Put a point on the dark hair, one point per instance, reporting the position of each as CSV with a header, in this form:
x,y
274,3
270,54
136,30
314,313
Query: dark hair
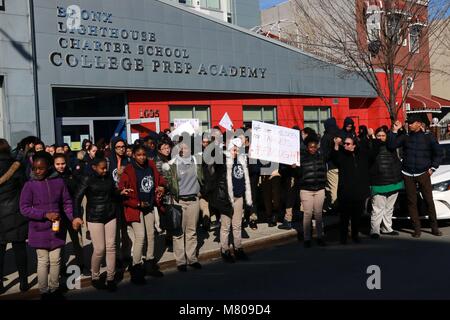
x,y
59,155
362,130
296,127
83,144
5,148
91,146
45,156
138,147
26,141
380,129
161,143
313,138
385,128
99,157
309,131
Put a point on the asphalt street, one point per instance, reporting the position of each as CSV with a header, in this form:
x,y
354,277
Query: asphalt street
x,y
409,269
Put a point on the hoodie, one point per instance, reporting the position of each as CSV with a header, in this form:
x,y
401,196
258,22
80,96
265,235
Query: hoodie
x,y
39,197
346,134
115,168
327,141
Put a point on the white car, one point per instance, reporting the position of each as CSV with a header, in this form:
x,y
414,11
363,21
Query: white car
x,y
440,180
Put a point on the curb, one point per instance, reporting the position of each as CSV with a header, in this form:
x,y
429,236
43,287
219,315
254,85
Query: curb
x,y
213,254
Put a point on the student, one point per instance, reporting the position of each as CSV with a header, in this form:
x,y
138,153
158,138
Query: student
x,y
102,196
61,167
13,226
143,178
185,178
41,201
232,182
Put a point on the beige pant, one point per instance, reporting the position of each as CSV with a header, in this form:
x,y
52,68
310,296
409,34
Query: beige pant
x,y
146,227
236,222
103,240
312,202
332,188
185,245
204,207
46,259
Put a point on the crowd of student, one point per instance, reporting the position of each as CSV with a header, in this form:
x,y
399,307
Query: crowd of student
x,y
49,191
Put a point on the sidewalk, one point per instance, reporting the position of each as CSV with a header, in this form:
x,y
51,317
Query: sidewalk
x,y
208,249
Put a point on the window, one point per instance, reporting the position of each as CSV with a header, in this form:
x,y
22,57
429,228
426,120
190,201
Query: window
x,y
395,24
265,114
192,112
373,19
210,4
414,38
410,83
187,2
2,5
314,117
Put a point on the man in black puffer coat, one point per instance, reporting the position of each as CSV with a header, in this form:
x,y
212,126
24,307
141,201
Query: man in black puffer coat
x,y
421,157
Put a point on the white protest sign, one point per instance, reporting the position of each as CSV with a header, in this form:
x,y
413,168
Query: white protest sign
x,y
226,122
275,143
195,123
185,127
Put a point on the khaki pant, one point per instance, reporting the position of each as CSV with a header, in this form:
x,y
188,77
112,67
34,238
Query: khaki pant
x,y
103,240
48,261
236,223
312,202
145,227
383,209
204,207
185,245
331,188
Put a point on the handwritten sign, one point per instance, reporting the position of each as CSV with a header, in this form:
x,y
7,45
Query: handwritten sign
x,y
185,127
226,122
275,143
195,123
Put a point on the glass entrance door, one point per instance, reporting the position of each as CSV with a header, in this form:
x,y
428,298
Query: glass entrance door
x,y
73,132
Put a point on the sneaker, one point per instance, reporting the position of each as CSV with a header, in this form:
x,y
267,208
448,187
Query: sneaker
x,y
137,273
206,224
240,254
98,284
375,236
307,244
252,224
227,257
287,225
182,268
356,240
111,285
436,232
196,265
321,242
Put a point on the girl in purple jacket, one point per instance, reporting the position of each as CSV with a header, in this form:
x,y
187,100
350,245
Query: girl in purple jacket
x,y
44,199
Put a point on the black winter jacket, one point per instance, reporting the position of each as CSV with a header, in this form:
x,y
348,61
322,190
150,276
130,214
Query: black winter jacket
x,y
102,198
353,168
421,151
13,225
312,172
386,169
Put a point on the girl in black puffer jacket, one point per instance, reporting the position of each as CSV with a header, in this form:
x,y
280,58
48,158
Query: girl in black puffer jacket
x,y
385,182
102,197
313,178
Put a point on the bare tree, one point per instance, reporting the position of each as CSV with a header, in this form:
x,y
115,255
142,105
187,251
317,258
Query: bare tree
x,y
373,37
